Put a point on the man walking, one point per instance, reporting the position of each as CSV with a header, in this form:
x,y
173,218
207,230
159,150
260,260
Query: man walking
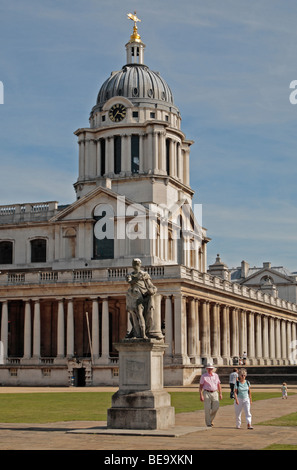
x,y
210,393
232,381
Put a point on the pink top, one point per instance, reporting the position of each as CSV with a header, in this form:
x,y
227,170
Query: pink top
x,y
210,382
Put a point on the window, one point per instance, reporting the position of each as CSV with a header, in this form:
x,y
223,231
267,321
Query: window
x,y
135,114
46,372
135,154
38,250
115,372
103,233
6,249
117,154
102,163
153,115
103,118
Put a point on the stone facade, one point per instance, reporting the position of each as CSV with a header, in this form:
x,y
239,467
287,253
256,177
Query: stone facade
x,y
63,268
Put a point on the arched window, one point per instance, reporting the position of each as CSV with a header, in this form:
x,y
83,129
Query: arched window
x,y
38,250
103,232
6,251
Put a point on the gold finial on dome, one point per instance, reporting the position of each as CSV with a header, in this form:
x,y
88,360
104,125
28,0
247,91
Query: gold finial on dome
x,y
135,36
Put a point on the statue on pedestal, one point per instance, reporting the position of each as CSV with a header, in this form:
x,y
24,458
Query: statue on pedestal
x,y
140,302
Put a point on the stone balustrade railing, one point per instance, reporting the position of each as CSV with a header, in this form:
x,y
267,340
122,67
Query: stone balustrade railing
x,y
25,212
119,273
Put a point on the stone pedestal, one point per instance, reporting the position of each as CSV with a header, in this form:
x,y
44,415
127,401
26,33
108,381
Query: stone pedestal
x,y
141,402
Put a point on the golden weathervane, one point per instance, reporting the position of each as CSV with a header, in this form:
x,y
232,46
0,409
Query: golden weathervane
x,y
135,36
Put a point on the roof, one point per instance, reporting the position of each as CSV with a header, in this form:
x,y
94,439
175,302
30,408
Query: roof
x,y
136,82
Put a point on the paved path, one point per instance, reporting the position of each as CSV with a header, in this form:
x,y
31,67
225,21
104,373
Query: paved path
x,y
223,436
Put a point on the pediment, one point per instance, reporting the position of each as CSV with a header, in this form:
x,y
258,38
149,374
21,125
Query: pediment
x,y
83,208
257,277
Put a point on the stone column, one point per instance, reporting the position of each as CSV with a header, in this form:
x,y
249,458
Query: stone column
x,y
278,349
27,331
205,330
109,152
162,153
70,329
294,343
148,161
192,338
126,153
186,169
283,341
289,340
92,158
197,328
251,338
98,158
168,326
265,340
36,330
87,157
155,151
141,154
259,338
4,330
215,333
234,333
172,157
105,330
180,333
60,336
81,144
225,326
242,332
95,328
272,339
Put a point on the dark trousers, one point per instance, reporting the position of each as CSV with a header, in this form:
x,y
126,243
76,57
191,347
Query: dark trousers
x,y
231,390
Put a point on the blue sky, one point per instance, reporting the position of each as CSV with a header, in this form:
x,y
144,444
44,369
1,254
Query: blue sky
x,y
229,64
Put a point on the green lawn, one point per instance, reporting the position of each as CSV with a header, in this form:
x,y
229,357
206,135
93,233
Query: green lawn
x,y
85,406
286,420
281,447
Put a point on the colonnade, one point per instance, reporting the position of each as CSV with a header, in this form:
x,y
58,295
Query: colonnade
x,y
196,330
199,330
65,340
152,155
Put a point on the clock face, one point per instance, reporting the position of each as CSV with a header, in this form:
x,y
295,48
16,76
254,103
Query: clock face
x,y
117,112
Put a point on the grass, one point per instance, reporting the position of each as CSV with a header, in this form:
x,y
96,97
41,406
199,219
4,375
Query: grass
x,y
53,407
286,420
185,402
281,447
86,406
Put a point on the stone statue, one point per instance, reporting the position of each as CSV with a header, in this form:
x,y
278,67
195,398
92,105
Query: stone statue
x,y
140,301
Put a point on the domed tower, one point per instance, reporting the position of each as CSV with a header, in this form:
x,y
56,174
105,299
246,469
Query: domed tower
x,y
134,145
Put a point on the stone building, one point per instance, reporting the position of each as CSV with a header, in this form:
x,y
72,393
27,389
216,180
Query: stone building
x,y
63,268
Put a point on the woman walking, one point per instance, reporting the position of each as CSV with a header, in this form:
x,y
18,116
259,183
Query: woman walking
x,y
243,399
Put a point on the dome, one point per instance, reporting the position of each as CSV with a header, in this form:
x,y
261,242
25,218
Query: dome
x,y
137,83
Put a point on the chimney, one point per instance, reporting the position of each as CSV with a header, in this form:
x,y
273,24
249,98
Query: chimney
x,y
244,269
